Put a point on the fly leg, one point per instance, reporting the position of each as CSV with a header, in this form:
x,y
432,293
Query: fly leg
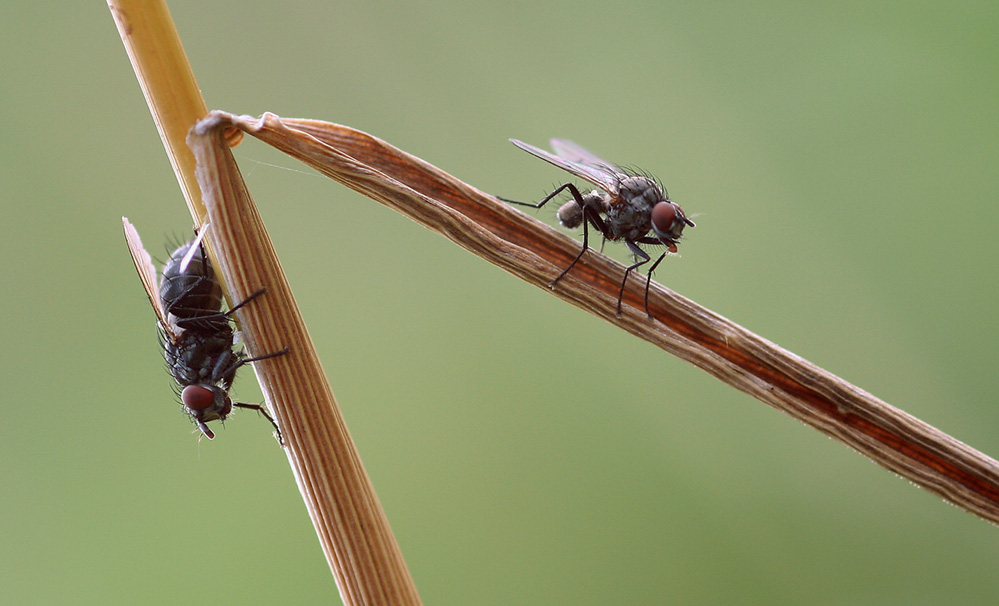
x,y
229,373
225,371
643,258
589,216
649,281
245,301
230,370
260,409
578,197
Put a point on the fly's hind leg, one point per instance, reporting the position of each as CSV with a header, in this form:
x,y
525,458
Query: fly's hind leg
x,y
589,216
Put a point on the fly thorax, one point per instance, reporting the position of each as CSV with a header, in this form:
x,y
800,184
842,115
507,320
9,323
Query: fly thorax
x,y
628,216
642,192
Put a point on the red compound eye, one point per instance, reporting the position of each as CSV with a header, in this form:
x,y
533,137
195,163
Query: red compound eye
x,y
663,217
197,397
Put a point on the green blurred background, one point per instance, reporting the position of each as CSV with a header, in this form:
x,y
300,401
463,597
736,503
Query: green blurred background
x,y
842,161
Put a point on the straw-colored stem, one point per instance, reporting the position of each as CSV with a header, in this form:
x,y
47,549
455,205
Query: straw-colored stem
x,y
537,252
351,525
167,82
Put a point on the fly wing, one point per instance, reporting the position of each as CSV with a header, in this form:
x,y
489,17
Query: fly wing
x,y
147,273
600,173
574,152
193,248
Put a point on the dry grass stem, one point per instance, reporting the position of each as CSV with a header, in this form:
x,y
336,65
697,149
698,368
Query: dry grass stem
x,y
536,252
168,83
352,527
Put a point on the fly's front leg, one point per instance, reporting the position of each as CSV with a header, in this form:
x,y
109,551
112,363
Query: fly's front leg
x,y
231,374
648,282
260,409
644,258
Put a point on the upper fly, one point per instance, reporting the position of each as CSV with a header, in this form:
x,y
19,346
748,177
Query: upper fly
x,y
627,206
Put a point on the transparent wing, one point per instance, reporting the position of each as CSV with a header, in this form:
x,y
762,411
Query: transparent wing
x,y
193,248
574,152
147,274
600,173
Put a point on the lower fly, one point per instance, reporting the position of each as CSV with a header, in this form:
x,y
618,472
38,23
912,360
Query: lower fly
x,y
196,334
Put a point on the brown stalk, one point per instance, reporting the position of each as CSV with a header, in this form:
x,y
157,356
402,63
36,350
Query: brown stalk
x,y
352,528
536,253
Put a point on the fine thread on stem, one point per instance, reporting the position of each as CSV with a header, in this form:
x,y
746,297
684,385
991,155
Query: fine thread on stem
x,y
535,252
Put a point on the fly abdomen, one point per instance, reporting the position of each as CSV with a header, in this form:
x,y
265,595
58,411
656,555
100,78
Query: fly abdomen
x,y
188,287
570,214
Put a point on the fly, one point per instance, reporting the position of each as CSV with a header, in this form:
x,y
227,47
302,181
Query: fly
x,y
196,335
627,206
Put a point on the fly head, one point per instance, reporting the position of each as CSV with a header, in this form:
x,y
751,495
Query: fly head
x,y
668,222
204,402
